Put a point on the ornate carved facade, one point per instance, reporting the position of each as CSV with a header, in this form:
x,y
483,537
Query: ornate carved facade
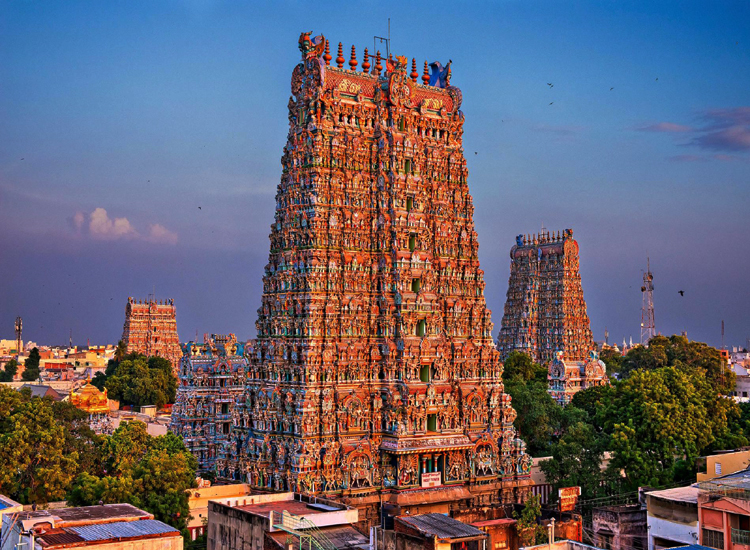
x,y
212,380
151,329
374,369
545,311
566,378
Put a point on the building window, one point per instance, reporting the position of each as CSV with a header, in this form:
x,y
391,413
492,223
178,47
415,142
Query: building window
x,y
424,373
713,539
717,468
409,203
605,541
431,422
416,284
412,242
421,324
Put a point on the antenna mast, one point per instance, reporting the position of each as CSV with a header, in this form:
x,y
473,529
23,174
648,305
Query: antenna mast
x,y
19,331
648,326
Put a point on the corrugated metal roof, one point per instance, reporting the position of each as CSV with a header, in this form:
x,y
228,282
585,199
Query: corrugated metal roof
x,y
123,529
441,526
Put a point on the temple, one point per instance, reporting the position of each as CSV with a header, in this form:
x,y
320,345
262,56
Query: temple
x,y
545,312
151,329
210,395
95,402
374,376
566,378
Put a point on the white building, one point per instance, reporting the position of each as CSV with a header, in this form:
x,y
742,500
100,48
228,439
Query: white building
x,y
672,517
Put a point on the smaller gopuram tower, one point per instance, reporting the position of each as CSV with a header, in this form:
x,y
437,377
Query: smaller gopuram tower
x,y
545,312
151,329
212,380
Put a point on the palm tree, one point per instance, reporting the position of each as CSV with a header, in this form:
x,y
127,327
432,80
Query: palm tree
x,y
121,351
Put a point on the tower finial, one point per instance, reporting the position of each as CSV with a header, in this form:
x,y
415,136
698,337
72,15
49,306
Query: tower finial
x,y
327,55
448,76
414,74
378,64
426,74
366,63
340,58
353,60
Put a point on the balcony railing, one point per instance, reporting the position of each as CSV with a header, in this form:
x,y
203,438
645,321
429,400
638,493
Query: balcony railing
x,y
740,536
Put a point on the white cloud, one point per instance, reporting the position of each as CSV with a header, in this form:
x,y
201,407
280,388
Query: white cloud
x,y
102,227
157,233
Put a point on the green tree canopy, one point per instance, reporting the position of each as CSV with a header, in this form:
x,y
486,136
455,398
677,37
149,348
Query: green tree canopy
x,y
138,381
519,365
9,371
31,366
678,351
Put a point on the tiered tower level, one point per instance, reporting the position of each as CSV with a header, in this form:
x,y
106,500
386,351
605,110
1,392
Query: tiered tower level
x,y
544,310
210,397
151,329
374,366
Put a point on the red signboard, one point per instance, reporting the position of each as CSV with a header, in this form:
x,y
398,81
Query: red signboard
x,y
569,498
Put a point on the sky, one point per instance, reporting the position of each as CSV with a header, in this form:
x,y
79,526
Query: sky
x,y
140,147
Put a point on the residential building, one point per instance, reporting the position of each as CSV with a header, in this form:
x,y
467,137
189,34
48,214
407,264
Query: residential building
x,y
262,520
672,517
620,527
724,463
440,532
724,512
200,497
104,527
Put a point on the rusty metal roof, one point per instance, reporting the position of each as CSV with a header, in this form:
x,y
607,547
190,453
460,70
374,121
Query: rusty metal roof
x,y
123,529
441,526
118,530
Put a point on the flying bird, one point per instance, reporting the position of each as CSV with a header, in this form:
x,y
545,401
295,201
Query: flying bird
x,y
551,102
657,78
475,152
681,292
199,208
612,88
550,84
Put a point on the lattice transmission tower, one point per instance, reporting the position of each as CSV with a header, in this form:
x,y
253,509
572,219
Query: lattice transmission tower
x,y
648,327
19,333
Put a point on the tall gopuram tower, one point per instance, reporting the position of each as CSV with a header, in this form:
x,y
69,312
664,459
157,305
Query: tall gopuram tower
x,y
151,329
374,375
210,397
544,310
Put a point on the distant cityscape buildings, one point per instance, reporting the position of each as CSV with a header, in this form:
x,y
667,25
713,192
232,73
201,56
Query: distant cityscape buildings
x,y
545,312
151,329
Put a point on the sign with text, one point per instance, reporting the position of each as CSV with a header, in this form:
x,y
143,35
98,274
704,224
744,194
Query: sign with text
x,y
432,479
569,498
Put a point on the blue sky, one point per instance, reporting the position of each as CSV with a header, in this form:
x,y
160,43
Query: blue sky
x,y
119,119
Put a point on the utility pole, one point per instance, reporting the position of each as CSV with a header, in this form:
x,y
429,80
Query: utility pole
x,y
648,326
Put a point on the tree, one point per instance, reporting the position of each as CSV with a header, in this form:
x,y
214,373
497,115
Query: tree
x,y
538,415
9,371
99,380
576,461
520,365
613,359
125,447
120,351
678,351
529,530
140,381
34,466
31,366
153,473
660,419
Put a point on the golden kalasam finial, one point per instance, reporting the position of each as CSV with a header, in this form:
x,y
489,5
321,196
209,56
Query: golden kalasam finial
x,y
327,55
353,60
366,62
426,74
414,74
378,64
340,58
